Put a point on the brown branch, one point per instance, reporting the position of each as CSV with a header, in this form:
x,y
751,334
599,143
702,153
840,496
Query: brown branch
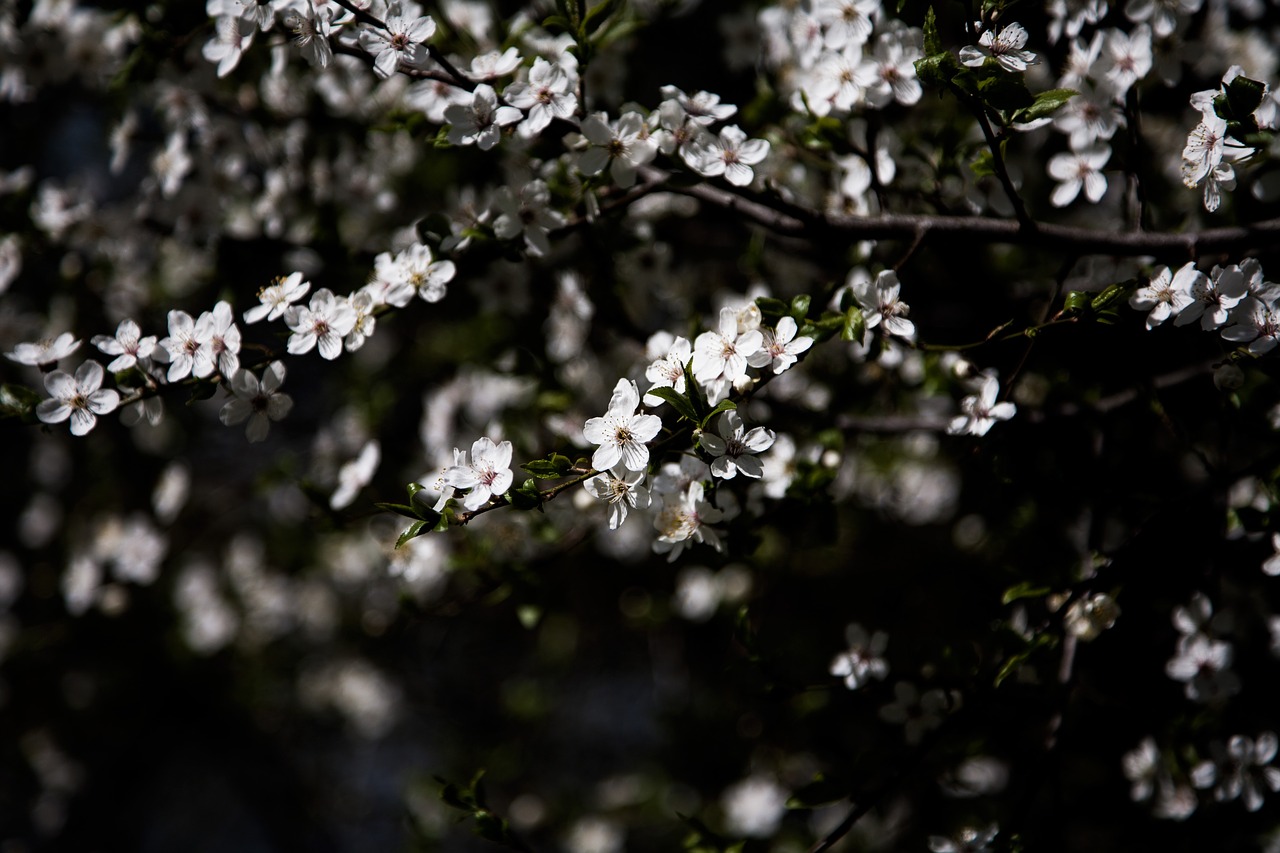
x,y
789,219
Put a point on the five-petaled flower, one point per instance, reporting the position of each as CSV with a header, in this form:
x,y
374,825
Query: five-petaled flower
x,y
324,323
735,447
622,433
258,401
80,398
1005,47
880,303
620,489
487,475
981,411
403,41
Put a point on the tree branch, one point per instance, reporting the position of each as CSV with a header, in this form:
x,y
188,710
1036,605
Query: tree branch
x,y
789,219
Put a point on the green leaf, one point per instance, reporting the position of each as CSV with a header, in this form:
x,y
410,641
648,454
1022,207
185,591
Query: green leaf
x,y
1046,104
800,307
1005,91
1243,97
1109,297
965,80
413,532
984,164
526,497
678,401
599,14
722,406
543,469
401,509
936,71
1026,589
932,43
772,309
1012,664
855,325
18,401
1075,303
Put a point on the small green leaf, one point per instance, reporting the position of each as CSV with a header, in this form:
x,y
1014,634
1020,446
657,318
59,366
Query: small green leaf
x,y
772,309
1109,297
984,164
1243,97
936,70
855,325
557,24
932,43
1075,303
526,497
965,80
1046,104
1026,589
1005,91
678,401
18,401
1012,664
413,532
543,469
800,307
401,509
722,406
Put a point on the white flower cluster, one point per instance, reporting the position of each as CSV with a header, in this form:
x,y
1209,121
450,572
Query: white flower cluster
x,y
1234,298
209,346
1210,151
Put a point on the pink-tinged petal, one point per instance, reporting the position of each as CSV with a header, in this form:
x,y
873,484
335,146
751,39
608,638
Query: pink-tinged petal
x,y
750,466
421,29
724,468
753,151
330,346
103,402
713,444
59,384
300,343
235,411
606,456
279,406
597,431
89,377
759,439
82,420
635,456
502,482
387,61
258,427
593,161
1065,193
625,398
1095,186
645,428
272,377
53,411
738,174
